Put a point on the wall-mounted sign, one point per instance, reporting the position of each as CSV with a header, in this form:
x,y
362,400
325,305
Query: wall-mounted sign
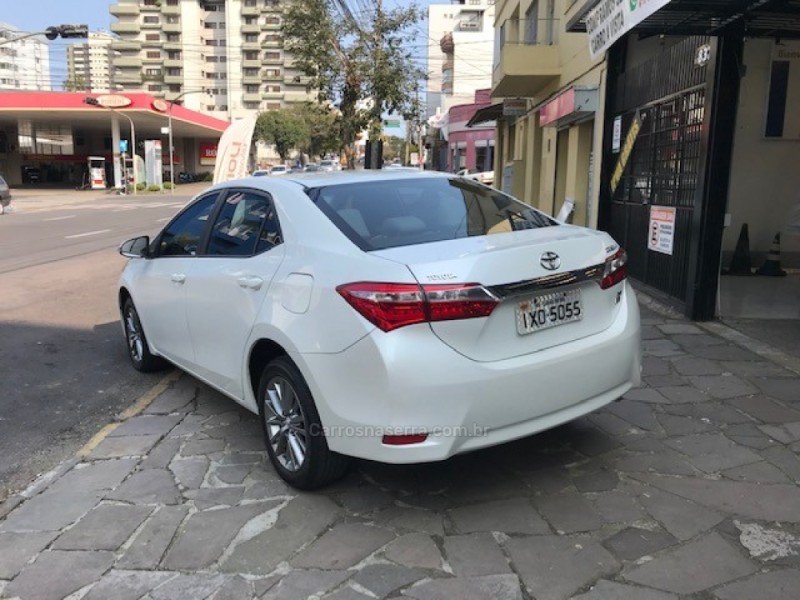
x,y
123,146
616,137
661,236
611,19
515,107
630,141
160,105
703,55
208,154
114,101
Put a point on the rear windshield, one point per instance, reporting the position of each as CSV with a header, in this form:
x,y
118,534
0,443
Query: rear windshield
x,y
387,214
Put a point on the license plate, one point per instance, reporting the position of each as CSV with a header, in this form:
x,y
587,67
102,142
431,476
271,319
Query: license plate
x,y
549,310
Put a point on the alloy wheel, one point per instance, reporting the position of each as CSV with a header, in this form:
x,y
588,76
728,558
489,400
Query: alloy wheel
x,y
135,342
285,424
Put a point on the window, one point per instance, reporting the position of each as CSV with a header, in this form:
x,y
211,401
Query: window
x,y
251,55
151,20
272,55
172,20
153,54
776,99
251,89
250,72
390,214
182,237
152,37
247,224
251,37
532,23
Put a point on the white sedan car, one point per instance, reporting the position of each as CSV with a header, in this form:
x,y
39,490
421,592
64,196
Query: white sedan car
x,y
395,316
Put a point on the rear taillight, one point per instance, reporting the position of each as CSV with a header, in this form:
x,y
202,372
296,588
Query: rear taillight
x,y
615,270
393,305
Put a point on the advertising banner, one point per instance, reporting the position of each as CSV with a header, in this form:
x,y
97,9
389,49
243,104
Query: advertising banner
x,y
611,19
153,166
208,154
233,151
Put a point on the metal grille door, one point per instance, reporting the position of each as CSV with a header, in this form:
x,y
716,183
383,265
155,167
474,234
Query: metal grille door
x,y
664,169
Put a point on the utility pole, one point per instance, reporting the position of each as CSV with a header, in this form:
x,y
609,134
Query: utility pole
x,y
420,151
376,124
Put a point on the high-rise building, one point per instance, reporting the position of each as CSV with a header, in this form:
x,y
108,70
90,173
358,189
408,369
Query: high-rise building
x,y
24,64
460,51
227,53
89,65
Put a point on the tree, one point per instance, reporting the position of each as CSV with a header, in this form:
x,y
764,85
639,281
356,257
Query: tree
x,y
349,59
75,83
283,128
323,128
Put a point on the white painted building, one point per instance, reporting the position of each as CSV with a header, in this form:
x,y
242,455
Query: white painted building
x,y
89,64
460,52
24,65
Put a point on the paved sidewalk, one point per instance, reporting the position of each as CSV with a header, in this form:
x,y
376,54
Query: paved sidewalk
x,y
687,488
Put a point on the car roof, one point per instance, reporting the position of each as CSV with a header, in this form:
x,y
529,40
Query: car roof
x,y
319,179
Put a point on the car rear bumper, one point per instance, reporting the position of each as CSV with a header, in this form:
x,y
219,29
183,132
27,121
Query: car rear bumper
x,y
408,382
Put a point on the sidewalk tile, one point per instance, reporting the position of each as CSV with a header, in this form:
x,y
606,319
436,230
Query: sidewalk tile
x,y
780,388
489,587
343,546
569,512
300,584
609,590
106,527
57,574
126,585
152,541
633,543
723,386
146,425
189,472
153,486
776,585
766,410
130,445
680,517
51,510
474,555
188,586
16,549
509,516
415,550
382,579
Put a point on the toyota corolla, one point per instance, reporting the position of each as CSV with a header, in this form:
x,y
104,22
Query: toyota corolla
x,y
396,316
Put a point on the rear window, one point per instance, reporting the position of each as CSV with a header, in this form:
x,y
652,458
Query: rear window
x,y
387,214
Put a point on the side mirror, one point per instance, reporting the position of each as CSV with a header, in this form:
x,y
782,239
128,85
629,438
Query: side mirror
x,y
135,248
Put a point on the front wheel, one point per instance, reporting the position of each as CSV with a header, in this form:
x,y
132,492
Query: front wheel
x,y
292,429
138,350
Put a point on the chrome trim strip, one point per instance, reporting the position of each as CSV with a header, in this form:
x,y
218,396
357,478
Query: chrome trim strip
x,y
548,282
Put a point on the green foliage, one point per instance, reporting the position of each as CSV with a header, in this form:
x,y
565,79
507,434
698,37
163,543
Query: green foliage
x,y
283,128
207,176
74,84
140,187
153,188
351,56
167,185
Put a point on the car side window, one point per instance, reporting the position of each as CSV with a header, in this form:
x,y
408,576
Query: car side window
x,y
182,237
246,225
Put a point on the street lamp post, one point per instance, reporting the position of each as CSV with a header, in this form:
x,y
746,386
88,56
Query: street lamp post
x,y
171,150
93,102
51,33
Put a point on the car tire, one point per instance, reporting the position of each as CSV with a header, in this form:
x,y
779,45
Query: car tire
x,y
292,429
138,350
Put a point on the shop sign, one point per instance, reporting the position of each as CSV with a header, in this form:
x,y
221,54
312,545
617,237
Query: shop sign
x,y
208,154
114,101
616,137
160,105
560,106
515,107
661,236
611,19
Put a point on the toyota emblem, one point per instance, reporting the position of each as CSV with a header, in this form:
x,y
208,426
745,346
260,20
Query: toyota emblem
x,y
550,261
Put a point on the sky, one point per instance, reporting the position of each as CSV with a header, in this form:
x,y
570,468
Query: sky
x,y
37,15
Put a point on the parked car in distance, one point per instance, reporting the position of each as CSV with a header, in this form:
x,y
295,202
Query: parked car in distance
x,y
485,177
329,165
279,170
396,316
261,173
5,195
312,168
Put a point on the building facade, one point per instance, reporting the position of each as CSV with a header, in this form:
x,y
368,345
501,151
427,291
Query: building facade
x,y
89,65
226,53
25,64
551,129
460,43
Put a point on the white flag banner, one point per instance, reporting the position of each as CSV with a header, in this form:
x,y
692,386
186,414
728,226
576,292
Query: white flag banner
x,y
611,19
233,150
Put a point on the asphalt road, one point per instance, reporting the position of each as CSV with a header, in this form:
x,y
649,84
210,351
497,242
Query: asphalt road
x,y
63,368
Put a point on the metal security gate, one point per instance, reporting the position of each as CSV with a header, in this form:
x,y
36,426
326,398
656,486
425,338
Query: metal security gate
x,y
664,169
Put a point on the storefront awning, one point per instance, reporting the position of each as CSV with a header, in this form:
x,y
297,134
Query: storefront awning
x,y
756,18
573,105
486,114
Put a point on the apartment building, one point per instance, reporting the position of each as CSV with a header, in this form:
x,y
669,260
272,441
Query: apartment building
x,y
460,43
89,65
25,64
225,57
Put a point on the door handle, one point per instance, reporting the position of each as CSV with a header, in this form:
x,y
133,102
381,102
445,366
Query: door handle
x,y
253,283
178,278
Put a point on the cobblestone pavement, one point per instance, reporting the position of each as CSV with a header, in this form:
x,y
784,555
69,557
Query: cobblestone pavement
x,y
686,488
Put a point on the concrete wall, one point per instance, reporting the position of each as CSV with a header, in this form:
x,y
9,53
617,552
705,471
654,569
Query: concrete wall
x,y
765,180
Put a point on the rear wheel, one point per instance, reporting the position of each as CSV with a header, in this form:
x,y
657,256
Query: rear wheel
x,y
292,429
138,351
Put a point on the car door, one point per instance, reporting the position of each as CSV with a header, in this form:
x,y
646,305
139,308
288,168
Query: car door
x,y
160,292
229,283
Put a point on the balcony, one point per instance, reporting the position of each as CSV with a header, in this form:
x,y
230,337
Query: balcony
x,y
251,63
169,9
529,61
273,95
126,46
173,79
126,10
173,45
156,25
251,79
153,7
171,27
272,41
127,62
157,60
267,76
251,45
128,77
273,24
153,43
251,97
251,11
126,27
176,63
251,28
272,60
